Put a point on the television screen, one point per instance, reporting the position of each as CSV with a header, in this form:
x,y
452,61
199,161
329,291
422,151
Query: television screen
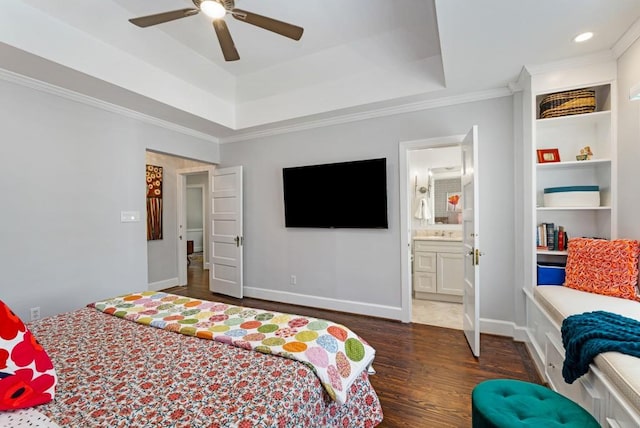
x,y
345,195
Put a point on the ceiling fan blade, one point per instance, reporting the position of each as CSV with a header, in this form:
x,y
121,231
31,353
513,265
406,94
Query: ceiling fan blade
x,y
226,42
288,30
159,18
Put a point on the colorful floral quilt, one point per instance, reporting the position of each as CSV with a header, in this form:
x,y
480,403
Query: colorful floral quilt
x,y
335,353
120,374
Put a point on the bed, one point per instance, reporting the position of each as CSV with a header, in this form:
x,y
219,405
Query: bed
x,y
126,367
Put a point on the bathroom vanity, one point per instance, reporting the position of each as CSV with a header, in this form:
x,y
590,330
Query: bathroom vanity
x,y
438,268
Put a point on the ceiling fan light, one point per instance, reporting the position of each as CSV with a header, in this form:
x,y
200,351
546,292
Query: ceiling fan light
x,y
213,9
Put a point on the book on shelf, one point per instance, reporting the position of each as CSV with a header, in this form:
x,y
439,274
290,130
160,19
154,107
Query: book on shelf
x,y
551,237
550,242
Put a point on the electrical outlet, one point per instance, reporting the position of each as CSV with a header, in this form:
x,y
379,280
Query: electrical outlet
x,y
35,313
293,280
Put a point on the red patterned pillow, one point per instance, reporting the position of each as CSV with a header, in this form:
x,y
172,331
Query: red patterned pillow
x,y
604,267
27,376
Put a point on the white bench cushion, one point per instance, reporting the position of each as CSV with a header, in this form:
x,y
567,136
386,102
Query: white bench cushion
x,y
562,302
622,370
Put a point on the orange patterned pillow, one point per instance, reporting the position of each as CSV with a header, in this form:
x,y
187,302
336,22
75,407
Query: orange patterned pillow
x,y
604,267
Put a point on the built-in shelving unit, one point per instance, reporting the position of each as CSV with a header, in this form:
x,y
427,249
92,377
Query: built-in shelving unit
x,y
569,134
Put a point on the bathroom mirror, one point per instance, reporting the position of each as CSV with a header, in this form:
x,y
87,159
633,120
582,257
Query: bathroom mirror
x,y
447,195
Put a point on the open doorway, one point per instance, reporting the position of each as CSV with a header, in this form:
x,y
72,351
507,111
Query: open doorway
x,y
164,255
196,230
193,224
431,231
436,235
195,199
467,256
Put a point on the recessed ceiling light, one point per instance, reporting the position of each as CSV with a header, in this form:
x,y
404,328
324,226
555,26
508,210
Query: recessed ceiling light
x,y
583,37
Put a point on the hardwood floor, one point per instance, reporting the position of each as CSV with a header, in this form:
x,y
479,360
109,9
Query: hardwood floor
x,y
425,374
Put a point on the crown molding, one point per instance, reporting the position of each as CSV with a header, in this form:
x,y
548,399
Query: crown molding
x,y
576,62
371,114
627,39
243,136
515,86
95,102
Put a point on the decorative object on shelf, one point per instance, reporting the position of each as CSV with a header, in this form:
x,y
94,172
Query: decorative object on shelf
x,y
548,155
585,154
572,196
154,202
567,103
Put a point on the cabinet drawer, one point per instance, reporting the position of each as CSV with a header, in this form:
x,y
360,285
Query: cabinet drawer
x,y
424,282
618,415
424,262
539,326
582,391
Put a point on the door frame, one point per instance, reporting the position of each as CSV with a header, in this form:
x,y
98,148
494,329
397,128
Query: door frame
x,y
181,217
405,210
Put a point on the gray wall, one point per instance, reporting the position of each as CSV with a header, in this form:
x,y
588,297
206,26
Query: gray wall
x,y
628,144
67,169
364,265
194,208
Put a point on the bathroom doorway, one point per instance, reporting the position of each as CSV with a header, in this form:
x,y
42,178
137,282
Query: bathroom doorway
x,y
431,223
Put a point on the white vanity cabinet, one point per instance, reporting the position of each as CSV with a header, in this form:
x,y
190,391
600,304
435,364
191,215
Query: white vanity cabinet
x,y
437,270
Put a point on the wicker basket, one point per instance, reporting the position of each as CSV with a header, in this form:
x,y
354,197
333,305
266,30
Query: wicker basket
x,y
567,103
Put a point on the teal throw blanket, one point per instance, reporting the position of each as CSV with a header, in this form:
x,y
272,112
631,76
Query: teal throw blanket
x,y
586,335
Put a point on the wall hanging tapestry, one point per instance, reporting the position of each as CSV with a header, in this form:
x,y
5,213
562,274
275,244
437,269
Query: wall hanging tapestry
x,y
154,202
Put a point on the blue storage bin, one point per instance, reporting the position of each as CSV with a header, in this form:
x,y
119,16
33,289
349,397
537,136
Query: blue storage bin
x,y
550,274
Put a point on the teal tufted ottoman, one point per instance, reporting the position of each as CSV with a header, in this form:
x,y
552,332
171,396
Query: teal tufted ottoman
x,y
505,403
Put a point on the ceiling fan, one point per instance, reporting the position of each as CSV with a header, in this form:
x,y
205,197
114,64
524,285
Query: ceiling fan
x,y
217,9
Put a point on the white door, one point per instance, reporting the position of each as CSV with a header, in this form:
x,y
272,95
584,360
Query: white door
x,y
471,241
226,232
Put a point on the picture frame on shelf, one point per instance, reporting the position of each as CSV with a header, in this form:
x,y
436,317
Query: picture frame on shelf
x,y
548,155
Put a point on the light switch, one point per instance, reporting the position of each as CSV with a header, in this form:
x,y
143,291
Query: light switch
x,y
129,216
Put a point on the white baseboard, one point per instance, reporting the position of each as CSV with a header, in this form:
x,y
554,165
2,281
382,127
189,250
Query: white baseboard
x,y
536,356
165,283
361,308
520,334
503,328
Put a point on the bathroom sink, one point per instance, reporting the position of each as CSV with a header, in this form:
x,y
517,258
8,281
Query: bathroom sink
x,y
437,238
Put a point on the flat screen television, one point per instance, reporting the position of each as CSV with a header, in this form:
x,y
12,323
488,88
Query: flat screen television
x,y
337,195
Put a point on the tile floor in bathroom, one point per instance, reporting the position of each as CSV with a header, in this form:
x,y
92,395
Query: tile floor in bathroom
x,y
441,314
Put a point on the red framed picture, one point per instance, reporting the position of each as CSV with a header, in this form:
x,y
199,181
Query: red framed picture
x,y
548,155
